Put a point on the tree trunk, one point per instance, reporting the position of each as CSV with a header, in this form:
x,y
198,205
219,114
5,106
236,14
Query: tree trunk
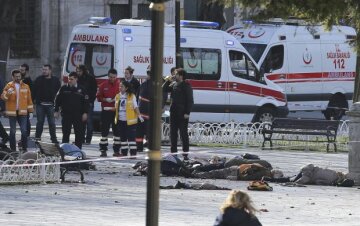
x,y
357,80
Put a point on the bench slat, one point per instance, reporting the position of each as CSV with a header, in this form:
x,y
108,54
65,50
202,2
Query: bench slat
x,y
326,128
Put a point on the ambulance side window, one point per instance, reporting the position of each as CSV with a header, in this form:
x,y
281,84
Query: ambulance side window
x,y
98,58
201,64
274,59
77,55
241,66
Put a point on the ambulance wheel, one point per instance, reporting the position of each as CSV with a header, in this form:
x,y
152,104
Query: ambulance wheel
x,y
265,114
336,107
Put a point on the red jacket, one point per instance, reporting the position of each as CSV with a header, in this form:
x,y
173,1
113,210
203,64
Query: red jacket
x,y
108,90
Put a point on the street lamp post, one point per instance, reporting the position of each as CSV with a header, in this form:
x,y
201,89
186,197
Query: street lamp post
x,y
157,8
177,33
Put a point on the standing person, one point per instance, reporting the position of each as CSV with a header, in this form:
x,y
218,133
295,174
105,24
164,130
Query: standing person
x,y
180,108
129,77
106,96
25,76
73,102
144,108
237,210
88,81
44,91
144,102
126,118
18,101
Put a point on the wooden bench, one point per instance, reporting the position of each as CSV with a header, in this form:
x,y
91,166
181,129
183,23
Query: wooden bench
x,y
315,127
51,149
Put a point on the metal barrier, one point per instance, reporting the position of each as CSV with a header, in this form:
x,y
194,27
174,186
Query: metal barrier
x,y
244,134
31,171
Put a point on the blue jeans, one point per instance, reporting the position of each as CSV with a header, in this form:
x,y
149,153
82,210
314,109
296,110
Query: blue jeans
x,y
22,120
88,125
41,112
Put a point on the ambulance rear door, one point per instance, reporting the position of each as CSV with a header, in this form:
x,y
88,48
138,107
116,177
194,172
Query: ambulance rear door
x,y
93,47
339,64
304,86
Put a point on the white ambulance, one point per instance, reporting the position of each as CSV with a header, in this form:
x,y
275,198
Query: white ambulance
x,y
226,84
315,67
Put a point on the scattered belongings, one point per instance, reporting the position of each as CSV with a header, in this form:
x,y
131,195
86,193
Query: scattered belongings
x,y
259,186
292,184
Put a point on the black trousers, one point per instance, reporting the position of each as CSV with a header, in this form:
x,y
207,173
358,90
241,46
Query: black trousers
x,y
127,136
107,120
141,131
69,121
28,126
179,123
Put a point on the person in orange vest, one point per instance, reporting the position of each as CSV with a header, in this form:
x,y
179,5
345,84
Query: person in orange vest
x,y
18,104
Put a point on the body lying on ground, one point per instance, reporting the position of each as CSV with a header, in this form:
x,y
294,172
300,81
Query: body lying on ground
x,y
252,171
314,175
194,186
171,165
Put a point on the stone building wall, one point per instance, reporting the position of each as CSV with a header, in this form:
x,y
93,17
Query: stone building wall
x,y
56,18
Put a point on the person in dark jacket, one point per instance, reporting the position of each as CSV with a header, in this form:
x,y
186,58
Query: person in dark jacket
x,y
74,104
25,76
237,210
88,81
129,77
44,91
144,102
180,108
144,108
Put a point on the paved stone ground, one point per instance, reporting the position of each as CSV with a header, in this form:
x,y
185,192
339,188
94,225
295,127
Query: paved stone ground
x,y
112,196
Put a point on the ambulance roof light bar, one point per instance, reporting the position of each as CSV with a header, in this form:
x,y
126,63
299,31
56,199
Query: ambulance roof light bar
x,y
99,20
199,24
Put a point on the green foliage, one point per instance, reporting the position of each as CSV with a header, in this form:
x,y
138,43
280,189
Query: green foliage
x,y
326,12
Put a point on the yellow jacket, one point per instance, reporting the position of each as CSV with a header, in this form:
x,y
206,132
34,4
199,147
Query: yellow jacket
x,y
25,101
131,115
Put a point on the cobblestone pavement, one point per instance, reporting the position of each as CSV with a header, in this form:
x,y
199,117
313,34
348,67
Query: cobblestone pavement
x,y
112,196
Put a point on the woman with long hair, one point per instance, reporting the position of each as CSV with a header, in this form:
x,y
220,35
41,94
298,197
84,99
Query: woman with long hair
x,y
126,117
237,210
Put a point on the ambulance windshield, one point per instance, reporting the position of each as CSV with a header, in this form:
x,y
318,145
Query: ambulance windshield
x,y
255,50
97,58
